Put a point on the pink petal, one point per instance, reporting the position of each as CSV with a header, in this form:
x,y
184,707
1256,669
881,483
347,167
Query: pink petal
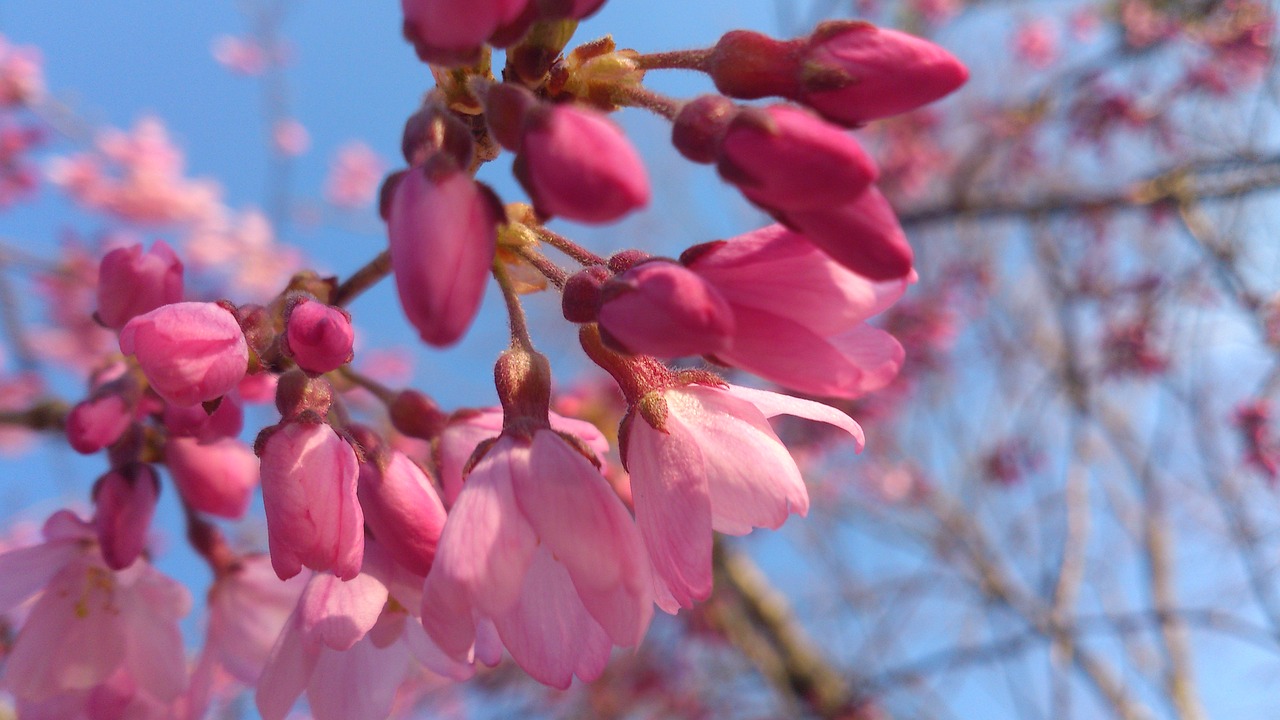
x,y
358,684
773,404
287,672
27,570
338,613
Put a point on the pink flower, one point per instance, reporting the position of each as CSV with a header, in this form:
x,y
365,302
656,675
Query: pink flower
x,y
240,55
660,308
124,501
350,645
1036,43
318,337
576,164
193,421
131,282
786,158
540,547
309,495
402,509
215,476
862,234
21,75
354,175
884,72
468,428
290,137
801,317
93,635
98,422
452,31
714,464
190,352
443,231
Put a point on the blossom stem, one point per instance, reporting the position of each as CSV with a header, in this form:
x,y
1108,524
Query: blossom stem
x,y
384,394
641,97
548,269
515,311
676,60
363,279
582,255
45,415
209,542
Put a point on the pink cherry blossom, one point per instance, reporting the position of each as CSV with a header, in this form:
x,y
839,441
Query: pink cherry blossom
x,y
215,476
577,164
801,316
862,234
402,509
124,500
538,545
443,233
452,31
319,337
245,56
131,282
354,175
21,74
99,421
715,464
193,421
290,137
309,494
190,352
660,308
93,636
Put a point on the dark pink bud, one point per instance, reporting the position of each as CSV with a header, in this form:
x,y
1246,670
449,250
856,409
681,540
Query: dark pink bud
x,y
450,32
131,282
226,420
576,9
309,494
506,106
190,352
124,500
98,422
416,415
624,260
215,477
443,233
748,65
434,128
853,72
786,158
580,299
402,509
577,164
700,126
660,308
318,337
862,235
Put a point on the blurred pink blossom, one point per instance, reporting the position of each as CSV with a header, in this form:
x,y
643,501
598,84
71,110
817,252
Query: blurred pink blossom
x,y
354,175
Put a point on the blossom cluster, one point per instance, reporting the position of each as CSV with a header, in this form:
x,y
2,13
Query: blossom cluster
x,y
416,545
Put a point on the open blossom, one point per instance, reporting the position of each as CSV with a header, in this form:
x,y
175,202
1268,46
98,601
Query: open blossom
x,y
94,637
713,464
351,645
190,352
443,231
309,494
577,164
539,549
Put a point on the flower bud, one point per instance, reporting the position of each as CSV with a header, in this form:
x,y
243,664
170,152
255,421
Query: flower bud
x,y
190,352
98,421
318,337
506,106
402,509
862,235
783,157
226,420
450,32
700,125
433,128
575,163
416,415
215,477
125,500
131,282
580,299
660,308
443,231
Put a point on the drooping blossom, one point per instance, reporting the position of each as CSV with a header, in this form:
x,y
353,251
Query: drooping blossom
x,y
539,549
401,508
309,495
577,164
124,500
132,283
863,234
712,463
98,421
94,638
354,175
443,231
190,352
351,645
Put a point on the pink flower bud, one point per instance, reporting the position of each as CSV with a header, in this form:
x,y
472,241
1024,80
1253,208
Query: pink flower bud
x,y
783,157
450,32
402,509
575,163
190,352
125,500
131,282
319,337
660,308
226,420
215,477
576,9
443,231
862,235
699,127
580,298
854,72
309,495
98,422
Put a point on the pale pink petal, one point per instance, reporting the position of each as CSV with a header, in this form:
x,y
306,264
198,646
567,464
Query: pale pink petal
x,y
773,404
154,652
287,672
27,570
338,613
357,684
673,509
432,657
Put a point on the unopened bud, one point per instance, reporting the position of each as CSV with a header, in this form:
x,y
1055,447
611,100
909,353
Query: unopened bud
x,y
125,500
700,126
416,415
580,299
